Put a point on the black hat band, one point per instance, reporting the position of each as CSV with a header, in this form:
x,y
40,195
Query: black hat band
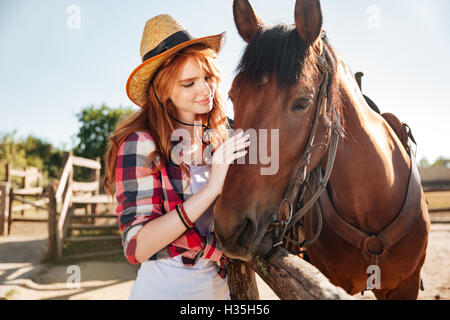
x,y
168,43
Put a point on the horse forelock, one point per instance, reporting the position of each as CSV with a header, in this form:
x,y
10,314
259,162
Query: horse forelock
x,y
273,51
280,52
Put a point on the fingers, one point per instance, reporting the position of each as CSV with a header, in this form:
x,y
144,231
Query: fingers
x,y
228,159
232,149
237,142
237,155
235,152
237,148
237,138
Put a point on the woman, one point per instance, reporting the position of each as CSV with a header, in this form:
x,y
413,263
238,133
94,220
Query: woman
x,y
165,204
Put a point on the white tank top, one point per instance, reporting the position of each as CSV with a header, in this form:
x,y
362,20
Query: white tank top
x,y
168,279
199,178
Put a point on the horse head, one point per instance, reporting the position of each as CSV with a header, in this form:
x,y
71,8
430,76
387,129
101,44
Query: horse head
x,y
279,86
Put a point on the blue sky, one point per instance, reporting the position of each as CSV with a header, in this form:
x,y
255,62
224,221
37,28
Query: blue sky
x,y
50,71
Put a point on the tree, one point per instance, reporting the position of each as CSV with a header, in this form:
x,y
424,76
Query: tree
x,y
43,155
31,151
97,123
10,152
441,162
424,163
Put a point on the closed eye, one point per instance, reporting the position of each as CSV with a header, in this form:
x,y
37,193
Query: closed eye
x,y
301,104
188,85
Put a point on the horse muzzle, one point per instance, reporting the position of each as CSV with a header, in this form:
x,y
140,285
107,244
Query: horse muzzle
x,y
237,240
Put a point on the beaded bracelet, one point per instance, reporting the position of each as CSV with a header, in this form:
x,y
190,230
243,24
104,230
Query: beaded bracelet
x,y
183,212
180,215
183,216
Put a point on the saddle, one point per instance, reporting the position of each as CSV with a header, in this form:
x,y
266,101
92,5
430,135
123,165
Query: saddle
x,y
402,130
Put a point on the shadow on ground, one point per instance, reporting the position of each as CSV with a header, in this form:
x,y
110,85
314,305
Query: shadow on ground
x,y
24,275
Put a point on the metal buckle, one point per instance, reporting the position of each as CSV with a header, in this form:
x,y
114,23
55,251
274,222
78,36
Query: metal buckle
x,y
284,224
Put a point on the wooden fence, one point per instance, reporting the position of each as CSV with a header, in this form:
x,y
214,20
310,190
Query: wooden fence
x,y
59,199
435,179
71,195
30,186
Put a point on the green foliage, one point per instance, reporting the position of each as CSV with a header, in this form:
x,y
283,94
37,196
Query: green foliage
x,y
441,162
31,151
10,151
97,123
424,163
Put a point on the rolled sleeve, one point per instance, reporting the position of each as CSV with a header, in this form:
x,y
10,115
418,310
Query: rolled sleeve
x,y
138,191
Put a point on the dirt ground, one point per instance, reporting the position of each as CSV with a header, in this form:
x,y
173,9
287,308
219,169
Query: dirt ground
x,y
23,276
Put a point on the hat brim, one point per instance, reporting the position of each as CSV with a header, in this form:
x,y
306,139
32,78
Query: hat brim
x,y
138,81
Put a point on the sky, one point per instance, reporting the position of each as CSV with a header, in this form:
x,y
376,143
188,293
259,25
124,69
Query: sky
x,y
60,56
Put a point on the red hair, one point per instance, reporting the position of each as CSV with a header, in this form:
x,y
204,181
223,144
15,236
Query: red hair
x,y
155,120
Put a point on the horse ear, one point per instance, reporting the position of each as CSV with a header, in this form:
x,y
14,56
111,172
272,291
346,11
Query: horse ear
x,y
247,21
308,19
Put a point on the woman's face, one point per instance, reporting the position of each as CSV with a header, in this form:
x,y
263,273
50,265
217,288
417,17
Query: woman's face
x,y
193,91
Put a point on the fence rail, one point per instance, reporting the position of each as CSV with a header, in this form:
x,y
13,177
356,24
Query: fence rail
x,y
30,186
63,201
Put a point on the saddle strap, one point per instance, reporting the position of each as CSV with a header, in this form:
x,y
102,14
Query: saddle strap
x,y
376,247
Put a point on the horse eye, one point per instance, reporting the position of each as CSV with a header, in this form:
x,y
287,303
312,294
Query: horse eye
x,y
301,104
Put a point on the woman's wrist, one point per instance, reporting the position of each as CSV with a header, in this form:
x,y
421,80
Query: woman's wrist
x,y
215,192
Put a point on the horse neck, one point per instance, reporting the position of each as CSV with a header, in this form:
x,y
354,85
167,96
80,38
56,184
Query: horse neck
x,y
371,169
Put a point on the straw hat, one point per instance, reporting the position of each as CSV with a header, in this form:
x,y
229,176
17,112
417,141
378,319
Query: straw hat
x,y
163,37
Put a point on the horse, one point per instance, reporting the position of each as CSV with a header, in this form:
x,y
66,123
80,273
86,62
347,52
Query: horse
x,y
344,178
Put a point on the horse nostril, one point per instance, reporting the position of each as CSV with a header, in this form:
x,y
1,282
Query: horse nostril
x,y
246,233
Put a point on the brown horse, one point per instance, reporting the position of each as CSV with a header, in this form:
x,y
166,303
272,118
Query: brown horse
x,y
373,207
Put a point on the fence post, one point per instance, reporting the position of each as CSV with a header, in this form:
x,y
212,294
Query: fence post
x,y
66,156
60,236
4,205
242,281
97,177
52,222
8,177
10,209
24,186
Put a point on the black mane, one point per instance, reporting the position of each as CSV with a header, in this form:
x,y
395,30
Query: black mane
x,y
278,50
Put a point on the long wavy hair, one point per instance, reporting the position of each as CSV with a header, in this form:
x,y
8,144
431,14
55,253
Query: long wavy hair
x,y
155,120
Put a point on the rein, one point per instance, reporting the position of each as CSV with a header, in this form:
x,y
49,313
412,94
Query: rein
x,y
281,222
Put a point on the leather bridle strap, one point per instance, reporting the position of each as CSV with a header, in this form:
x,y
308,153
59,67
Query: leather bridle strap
x,y
320,188
323,183
292,190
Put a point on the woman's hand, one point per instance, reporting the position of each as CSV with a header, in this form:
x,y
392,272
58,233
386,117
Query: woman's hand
x,y
230,150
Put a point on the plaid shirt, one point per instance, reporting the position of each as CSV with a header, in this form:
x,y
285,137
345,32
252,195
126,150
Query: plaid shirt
x,y
142,196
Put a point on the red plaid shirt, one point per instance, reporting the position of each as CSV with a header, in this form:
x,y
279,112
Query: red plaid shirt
x,y
142,196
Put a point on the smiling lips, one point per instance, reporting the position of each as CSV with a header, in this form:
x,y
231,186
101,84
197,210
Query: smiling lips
x,y
205,101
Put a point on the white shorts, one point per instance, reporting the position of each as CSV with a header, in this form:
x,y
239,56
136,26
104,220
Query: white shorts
x,y
170,279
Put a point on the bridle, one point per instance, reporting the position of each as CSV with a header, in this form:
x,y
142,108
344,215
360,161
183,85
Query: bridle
x,y
281,223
